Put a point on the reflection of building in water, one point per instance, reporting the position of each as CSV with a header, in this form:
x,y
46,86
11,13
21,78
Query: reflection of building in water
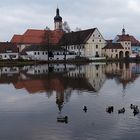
x,y
95,75
9,74
9,70
44,69
122,72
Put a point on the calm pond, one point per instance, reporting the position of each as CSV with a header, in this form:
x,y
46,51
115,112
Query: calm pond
x,y
46,102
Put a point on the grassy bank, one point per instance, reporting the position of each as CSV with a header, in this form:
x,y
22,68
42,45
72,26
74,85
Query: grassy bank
x,y
74,61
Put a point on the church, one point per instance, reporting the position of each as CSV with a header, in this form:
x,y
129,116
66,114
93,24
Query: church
x,y
86,43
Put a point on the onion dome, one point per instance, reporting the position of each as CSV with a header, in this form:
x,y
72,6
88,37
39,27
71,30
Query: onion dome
x,y
57,18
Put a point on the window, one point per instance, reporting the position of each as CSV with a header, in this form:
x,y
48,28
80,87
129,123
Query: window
x,y
100,40
112,50
98,35
97,54
38,53
116,50
5,56
43,53
46,53
93,40
34,53
96,46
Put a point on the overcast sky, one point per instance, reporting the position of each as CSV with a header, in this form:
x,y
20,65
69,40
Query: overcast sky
x,y
108,15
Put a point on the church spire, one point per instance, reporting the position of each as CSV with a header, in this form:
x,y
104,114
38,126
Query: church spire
x,y
123,31
57,20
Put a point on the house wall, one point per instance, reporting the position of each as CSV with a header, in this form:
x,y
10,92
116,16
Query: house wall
x,y
94,45
112,53
127,47
43,55
78,49
9,56
38,55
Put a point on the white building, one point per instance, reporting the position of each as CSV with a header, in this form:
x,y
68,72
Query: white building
x,y
44,53
8,51
86,43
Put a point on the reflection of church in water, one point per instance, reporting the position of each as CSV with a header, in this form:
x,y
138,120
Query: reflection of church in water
x,y
62,80
123,73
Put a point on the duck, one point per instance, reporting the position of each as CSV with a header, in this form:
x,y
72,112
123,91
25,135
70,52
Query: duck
x,y
136,111
85,108
133,106
121,110
62,119
110,109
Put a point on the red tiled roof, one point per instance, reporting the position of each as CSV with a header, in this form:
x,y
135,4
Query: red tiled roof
x,y
8,47
17,39
128,37
41,85
33,36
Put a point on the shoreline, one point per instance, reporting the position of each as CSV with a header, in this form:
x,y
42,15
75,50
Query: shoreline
x,y
76,61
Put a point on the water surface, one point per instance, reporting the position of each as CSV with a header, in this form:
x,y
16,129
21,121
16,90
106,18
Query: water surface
x,y
33,97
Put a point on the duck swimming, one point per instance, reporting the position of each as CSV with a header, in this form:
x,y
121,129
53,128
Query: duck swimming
x,y
136,111
85,108
121,110
133,106
110,109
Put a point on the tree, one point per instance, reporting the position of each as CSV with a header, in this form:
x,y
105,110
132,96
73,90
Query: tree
x,y
78,29
47,28
66,27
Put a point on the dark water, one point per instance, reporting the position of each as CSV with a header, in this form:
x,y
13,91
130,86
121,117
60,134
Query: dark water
x,y
34,98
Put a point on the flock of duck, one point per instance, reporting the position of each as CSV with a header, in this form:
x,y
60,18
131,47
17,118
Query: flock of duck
x,y
110,109
135,109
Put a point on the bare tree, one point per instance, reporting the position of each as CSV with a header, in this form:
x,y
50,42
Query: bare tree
x,y
66,27
78,29
47,28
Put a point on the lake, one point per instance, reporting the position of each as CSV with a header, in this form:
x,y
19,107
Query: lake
x,y
45,102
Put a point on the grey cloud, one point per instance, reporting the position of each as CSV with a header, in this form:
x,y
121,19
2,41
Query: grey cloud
x,y
109,16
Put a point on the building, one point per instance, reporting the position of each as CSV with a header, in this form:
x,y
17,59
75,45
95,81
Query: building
x,y
113,50
126,40
40,37
86,43
8,51
120,47
43,52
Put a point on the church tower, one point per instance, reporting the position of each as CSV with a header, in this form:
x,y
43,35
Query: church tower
x,y
123,31
57,21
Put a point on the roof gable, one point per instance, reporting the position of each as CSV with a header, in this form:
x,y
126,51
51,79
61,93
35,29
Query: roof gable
x,y
74,38
113,46
130,38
